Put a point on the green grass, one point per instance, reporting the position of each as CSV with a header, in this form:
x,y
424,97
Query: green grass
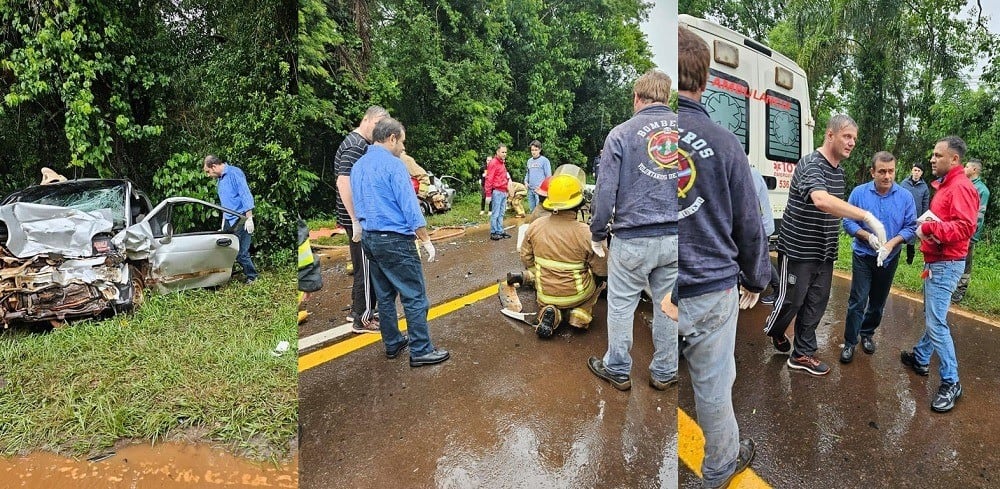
x,y
985,282
193,366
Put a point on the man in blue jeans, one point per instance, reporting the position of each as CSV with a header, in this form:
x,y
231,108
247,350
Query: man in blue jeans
x,y
944,241
234,193
873,264
636,199
496,189
537,169
721,238
390,219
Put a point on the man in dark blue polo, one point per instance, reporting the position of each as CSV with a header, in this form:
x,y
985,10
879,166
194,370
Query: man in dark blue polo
x,y
390,220
234,193
873,264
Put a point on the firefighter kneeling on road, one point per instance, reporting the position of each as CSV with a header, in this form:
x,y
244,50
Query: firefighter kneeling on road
x,y
557,252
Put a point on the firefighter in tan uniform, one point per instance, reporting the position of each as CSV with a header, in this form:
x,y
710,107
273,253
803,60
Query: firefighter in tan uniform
x,y
557,251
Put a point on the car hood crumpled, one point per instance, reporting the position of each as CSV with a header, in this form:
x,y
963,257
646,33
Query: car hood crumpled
x,y
35,229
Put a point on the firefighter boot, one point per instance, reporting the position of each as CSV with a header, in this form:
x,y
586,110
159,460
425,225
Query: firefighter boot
x,y
548,322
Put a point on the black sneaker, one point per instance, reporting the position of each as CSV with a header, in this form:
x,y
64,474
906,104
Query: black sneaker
x,y
747,451
868,344
910,360
664,385
783,344
769,299
620,382
946,397
504,235
957,296
808,363
495,237
847,354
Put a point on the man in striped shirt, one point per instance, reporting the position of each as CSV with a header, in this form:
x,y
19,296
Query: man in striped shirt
x,y
351,149
807,243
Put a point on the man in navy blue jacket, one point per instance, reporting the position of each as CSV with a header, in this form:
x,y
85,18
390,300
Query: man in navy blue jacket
x,y
636,202
720,236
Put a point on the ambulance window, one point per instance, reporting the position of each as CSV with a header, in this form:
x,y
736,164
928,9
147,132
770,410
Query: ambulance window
x,y
784,127
726,99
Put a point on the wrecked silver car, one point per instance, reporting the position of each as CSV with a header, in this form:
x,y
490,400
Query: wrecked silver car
x,y
83,248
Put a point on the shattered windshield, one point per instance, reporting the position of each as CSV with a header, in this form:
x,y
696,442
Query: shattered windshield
x,y
89,199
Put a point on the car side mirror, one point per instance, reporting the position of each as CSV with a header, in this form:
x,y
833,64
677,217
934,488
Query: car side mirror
x,y
168,233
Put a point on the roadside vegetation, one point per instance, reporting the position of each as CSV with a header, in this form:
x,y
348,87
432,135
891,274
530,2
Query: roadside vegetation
x,y
985,282
193,366
464,212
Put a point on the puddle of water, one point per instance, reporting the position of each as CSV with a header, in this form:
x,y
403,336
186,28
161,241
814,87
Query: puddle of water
x,y
163,466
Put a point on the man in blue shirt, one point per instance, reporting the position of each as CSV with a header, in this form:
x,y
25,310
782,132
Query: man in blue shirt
x,y
234,193
538,168
874,263
390,219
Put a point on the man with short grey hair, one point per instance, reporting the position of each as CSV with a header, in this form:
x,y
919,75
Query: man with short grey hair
x,y
807,244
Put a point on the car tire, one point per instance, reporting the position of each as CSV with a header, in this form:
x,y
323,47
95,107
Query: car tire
x,y
136,289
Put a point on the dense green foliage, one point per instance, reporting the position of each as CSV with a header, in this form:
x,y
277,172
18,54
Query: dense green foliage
x,y
113,89
900,69
466,76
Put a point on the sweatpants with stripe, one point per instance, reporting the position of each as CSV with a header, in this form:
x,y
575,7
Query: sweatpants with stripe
x,y
362,292
803,293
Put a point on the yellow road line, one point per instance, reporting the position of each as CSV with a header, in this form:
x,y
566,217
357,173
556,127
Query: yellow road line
x,y
338,350
691,451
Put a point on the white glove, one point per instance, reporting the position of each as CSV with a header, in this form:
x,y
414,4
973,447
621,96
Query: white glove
x,y
429,248
748,299
248,225
598,247
883,253
356,229
873,242
875,226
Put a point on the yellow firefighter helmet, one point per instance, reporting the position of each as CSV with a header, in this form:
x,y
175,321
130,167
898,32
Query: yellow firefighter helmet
x,y
565,192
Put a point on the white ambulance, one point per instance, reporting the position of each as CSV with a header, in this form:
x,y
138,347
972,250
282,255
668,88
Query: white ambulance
x,y
762,97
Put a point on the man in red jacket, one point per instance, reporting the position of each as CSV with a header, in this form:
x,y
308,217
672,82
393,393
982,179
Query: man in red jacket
x,y
944,241
496,188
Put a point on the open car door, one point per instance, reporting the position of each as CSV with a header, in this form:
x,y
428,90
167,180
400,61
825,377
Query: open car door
x,y
190,248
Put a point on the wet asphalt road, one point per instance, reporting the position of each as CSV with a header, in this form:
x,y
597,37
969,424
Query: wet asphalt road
x,y
507,410
510,410
868,423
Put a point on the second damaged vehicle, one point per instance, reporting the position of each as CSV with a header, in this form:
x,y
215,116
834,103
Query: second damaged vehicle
x,y
89,247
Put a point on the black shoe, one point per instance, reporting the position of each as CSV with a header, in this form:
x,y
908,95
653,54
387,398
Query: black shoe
x,y
395,351
515,278
620,382
747,451
868,344
769,299
435,356
946,397
545,324
957,296
910,360
249,280
781,344
495,237
504,235
847,354
662,386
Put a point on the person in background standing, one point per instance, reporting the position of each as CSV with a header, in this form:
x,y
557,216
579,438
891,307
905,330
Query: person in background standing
x,y
973,169
496,189
917,187
538,169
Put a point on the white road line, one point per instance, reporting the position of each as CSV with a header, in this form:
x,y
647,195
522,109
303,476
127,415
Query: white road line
x,y
324,336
